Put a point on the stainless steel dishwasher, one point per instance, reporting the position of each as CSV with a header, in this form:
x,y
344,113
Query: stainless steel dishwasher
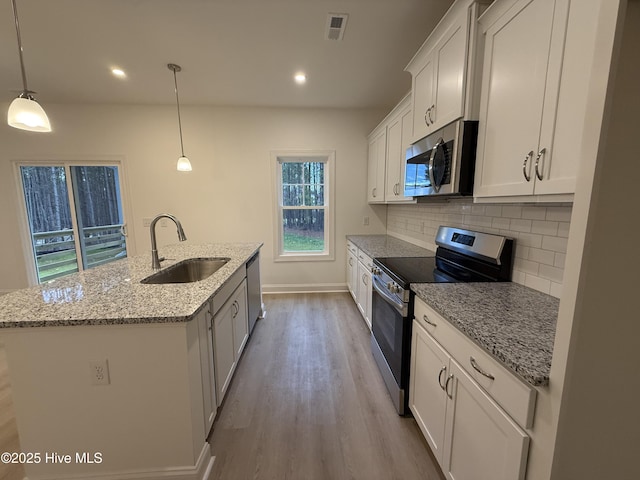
x,y
254,294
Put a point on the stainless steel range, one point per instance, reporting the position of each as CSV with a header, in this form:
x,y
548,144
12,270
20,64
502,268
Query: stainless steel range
x,y
462,256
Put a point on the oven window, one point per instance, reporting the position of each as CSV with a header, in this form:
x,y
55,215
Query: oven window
x,y
387,325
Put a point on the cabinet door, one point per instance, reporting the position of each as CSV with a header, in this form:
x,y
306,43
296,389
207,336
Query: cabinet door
x,y
205,338
482,442
427,398
224,351
352,274
423,97
512,99
365,291
376,167
240,319
451,58
398,139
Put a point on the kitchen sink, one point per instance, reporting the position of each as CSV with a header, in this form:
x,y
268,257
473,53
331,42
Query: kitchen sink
x,y
187,271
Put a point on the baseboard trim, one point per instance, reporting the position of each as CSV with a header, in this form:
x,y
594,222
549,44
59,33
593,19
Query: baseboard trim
x,y
200,471
274,289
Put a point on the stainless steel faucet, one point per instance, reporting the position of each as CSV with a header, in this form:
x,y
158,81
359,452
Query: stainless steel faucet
x,y
155,261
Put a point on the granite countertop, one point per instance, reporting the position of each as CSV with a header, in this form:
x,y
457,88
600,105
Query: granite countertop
x,y
382,246
513,323
113,294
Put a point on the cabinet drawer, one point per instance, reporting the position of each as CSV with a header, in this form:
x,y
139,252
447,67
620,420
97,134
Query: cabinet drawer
x,y
515,396
365,259
352,247
228,288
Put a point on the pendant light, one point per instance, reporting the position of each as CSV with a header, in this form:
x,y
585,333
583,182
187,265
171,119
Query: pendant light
x,y
24,112
184,165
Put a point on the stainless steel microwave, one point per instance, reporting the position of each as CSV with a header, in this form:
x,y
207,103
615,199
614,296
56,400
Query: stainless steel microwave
x,y
443,163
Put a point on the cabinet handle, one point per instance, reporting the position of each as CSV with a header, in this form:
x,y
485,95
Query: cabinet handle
x,y
442,370
374,192
446,386
237,308
426,319
364,279
527,177
432,109
477,368
351,262
426,116
540,154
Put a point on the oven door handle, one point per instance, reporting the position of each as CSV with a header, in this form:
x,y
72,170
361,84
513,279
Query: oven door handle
x,y
384,293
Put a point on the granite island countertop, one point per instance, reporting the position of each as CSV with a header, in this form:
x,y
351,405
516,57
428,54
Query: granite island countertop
x,y
514,323
112,294
388,246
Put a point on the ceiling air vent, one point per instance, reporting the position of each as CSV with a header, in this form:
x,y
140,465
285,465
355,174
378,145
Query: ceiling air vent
x,y
336,23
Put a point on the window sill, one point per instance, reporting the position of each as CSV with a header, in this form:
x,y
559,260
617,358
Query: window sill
x,y
306,257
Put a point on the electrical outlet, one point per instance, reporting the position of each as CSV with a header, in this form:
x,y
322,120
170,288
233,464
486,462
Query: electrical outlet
x,y
99,372
146,222
365,221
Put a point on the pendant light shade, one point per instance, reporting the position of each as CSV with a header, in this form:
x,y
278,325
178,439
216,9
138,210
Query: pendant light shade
x,y
27,114
184,165
24,112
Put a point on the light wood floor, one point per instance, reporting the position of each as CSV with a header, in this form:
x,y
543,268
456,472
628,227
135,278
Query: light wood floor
x,y
307,402
8,431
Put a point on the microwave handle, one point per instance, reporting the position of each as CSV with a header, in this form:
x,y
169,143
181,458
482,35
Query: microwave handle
x,y
432,159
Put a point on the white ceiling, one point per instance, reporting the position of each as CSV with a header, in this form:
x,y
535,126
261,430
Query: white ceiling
x,y
232,52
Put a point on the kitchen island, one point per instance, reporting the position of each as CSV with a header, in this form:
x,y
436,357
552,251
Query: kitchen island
x,y
148,414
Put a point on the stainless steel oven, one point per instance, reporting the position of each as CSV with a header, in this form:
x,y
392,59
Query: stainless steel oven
x,y
462,256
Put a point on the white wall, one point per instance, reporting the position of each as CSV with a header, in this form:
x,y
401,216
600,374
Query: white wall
x,y
227,197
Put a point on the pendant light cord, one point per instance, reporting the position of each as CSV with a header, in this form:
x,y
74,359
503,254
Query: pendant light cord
x,y
24,74
175,81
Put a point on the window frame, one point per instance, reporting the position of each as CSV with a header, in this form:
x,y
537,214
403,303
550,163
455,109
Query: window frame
x,y
328,158
67,163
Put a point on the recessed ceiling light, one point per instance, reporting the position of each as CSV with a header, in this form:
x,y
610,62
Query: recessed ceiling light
x,y
118,72
300,78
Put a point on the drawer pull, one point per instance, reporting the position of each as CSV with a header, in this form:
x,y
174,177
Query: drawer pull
x,y
442,370
477,368
426,319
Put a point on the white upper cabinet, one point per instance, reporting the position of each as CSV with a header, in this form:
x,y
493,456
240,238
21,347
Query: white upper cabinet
x,y
523,50
376,166
398,140
441,70
388,144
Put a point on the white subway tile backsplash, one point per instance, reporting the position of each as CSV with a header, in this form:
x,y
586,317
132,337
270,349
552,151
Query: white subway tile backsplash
x,y
520,225
559,214
551,273
512,211
557,244
540,233
533,213
544,227
545,257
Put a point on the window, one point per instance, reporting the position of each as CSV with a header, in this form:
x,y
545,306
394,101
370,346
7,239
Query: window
x,y
74,216
304,207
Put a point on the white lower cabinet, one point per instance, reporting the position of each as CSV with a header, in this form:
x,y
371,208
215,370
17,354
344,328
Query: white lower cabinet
x,y
365,288
207,369
352,270
470,435
230,333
